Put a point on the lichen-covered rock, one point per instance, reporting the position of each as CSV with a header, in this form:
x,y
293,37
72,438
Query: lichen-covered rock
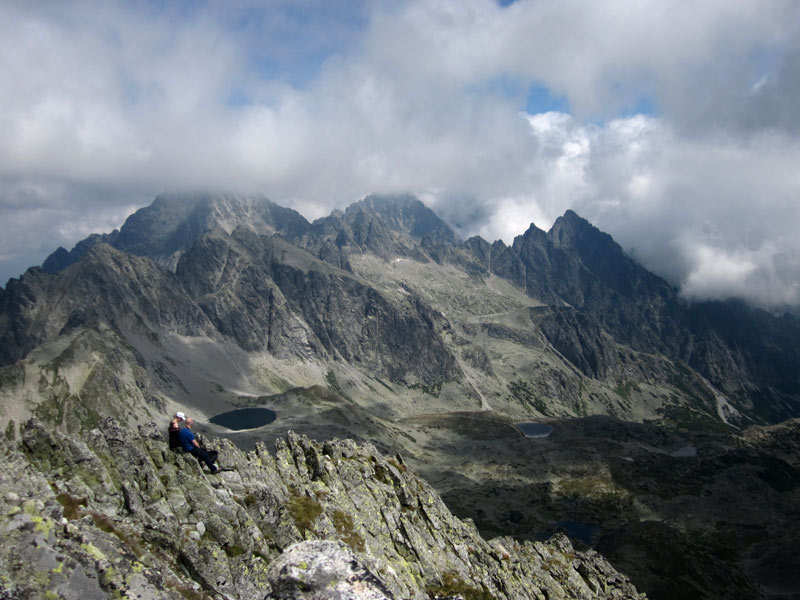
x,y
323,570
114,513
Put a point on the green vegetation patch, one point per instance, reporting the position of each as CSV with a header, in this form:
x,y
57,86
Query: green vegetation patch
x,y
453,585
51,410
343,522
383,383
592,486
406,435
333,384
185,590
105,523
683,417
524,393
624,388
768,406
304,511
431,390
71,505
687,381
234,550
11,431
250,499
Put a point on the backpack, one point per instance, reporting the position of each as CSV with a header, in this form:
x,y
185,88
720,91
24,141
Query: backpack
x,y
174,438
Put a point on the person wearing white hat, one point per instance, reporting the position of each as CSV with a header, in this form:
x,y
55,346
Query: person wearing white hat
x,y
189,444
175,430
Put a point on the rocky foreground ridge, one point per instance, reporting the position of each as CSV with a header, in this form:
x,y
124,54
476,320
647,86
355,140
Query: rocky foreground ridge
x,y
114,513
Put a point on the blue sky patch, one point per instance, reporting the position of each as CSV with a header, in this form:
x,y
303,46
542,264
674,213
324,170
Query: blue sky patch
x,y
540,99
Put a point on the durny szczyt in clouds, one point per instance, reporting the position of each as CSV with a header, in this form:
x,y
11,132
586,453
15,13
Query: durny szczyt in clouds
x,y
673,126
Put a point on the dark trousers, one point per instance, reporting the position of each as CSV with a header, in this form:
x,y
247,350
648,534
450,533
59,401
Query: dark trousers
x,y
206,456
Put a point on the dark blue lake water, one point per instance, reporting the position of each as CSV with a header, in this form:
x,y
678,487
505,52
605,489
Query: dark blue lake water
x,y
244,418
577,530
534,430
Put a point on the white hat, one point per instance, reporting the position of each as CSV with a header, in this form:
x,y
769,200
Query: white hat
x,y
180,415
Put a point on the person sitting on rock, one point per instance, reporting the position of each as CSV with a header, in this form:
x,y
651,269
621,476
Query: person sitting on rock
x,y
189,444
175,430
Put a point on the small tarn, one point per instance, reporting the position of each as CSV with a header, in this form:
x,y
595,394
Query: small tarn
x,y
244,418
534,430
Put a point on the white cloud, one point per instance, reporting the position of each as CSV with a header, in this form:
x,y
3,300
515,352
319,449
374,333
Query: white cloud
x,y
715,215
719,273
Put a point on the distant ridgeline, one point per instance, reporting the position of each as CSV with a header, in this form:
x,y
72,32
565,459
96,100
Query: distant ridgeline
x,y
202,300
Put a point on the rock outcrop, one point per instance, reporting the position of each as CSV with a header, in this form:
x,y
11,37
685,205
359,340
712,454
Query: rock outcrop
x,y
114,513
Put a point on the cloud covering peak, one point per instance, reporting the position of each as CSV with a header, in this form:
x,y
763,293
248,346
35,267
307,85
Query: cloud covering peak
x,y
674,127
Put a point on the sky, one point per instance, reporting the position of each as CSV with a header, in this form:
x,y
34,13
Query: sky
x,y
672,125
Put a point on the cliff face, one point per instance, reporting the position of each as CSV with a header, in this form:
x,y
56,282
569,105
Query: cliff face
x,y
114,513
259,290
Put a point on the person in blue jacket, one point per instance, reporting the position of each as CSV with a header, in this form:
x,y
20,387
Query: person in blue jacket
x,y
189,444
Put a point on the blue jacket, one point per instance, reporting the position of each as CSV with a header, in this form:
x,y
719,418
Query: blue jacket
x,y
187,437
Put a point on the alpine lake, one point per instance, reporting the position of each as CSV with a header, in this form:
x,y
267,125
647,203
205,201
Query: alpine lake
x,y
534,430
244,418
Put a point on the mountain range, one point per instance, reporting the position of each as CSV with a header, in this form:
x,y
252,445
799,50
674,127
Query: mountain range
x,y
559,323
377,323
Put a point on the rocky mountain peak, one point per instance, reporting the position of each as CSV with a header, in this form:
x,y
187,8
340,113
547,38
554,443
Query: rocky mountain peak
x,y
386,226
574,233
61,258
169,226
531,234
405,213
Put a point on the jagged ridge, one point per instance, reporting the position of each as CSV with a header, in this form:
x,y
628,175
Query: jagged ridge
x,y
117,513
748,356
